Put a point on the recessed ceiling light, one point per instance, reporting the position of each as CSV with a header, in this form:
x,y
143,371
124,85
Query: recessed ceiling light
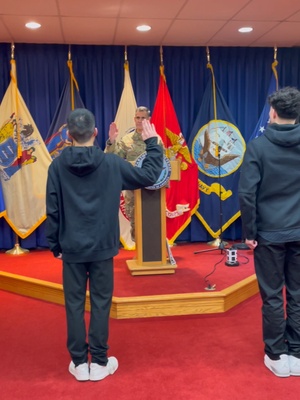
x,y
143,28
33,25
246,29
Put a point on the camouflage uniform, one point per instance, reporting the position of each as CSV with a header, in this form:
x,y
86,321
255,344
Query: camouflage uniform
x,y
130,147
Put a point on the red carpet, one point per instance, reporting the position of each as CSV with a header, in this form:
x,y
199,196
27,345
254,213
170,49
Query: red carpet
x,y
176,358
189,276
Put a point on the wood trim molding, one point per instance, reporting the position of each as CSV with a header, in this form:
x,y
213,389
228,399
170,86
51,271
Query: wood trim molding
x,y
141,306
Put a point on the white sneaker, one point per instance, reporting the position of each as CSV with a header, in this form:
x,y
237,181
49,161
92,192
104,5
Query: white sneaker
x,y
81,372
294,365
279,367
98,372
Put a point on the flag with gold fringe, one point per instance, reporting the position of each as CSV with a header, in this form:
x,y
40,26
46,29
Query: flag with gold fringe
x,y
125,122
182,196
24,162
57,138
218,148
264,116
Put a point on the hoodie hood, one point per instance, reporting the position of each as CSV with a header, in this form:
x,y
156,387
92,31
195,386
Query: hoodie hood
x,y
81,161
283,135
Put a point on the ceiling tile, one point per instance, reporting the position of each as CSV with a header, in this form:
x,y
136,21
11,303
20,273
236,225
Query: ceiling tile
x,y
211,10
5,36
228,35
262,10
22,34
92,30
174,22
153,9
128,35
194,33
283,35
29,7
90,8
294,17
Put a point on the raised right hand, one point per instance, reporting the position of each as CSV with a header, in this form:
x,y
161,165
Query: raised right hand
x,y
113,132
148,130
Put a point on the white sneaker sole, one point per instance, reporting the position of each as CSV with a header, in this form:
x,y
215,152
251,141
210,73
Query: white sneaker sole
x,y
279,374
103,372
83,377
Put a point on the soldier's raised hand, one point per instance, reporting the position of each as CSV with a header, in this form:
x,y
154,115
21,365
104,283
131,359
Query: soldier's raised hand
x,y
113,132
148,130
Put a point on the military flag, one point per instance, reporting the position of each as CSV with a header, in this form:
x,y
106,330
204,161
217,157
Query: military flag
x,y
57,138
182,196
125,122
24,162
264,117
218,148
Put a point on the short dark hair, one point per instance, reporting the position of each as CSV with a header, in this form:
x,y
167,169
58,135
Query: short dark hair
x,y
143,109
81,124
286,102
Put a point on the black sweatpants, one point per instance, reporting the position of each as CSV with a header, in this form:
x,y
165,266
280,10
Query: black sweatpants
x,y
277,266
76,276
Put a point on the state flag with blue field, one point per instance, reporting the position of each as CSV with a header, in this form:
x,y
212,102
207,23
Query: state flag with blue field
x,y
57,138
264,117
218,147
24,162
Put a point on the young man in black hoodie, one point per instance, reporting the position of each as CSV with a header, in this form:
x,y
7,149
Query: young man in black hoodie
x,y
82,200
269,192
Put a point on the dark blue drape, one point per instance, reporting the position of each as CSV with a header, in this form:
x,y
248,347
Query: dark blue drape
x,y
242,74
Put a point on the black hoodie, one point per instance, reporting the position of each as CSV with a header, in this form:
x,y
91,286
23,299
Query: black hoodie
x,y
83,199
269,186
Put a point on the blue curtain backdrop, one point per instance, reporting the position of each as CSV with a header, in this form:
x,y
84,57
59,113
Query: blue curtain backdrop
x,y
242,74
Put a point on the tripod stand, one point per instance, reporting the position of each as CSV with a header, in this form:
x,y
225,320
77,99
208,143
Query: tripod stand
x,y
242,245
218,242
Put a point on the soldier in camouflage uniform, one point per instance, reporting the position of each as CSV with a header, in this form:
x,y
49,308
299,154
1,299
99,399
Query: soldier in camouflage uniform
x,y
130,147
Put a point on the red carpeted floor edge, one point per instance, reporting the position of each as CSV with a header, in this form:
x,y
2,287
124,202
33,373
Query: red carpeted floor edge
x,y
175,358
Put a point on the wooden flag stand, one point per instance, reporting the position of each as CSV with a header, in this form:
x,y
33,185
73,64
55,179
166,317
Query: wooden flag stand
x,y
150,226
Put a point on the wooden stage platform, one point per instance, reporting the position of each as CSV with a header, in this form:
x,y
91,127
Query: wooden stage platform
x,y
136,306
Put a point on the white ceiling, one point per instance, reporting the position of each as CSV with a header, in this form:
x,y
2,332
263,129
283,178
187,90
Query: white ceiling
x,y
173,22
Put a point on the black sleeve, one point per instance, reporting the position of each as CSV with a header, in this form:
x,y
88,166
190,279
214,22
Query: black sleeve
x,y
248,185
135,177
52,211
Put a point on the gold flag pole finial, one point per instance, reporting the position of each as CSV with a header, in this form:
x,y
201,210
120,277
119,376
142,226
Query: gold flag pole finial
x,y
274,65
207,55
161,55
12,53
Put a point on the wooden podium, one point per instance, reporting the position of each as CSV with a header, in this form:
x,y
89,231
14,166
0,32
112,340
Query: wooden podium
x,y
150,230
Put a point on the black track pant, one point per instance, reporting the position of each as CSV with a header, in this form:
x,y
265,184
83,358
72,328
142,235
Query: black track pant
x,y
277,266
76,276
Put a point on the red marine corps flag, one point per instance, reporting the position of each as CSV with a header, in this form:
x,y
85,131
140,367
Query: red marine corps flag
x,y
182,197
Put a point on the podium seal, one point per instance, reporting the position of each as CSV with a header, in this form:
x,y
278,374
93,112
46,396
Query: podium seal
x,y
165,173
